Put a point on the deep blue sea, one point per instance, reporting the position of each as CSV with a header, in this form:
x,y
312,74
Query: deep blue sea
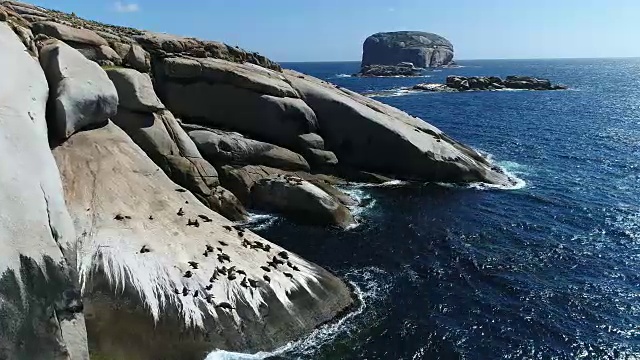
x,y
547,271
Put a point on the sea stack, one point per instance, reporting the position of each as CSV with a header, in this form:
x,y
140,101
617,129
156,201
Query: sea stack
x,y
399,48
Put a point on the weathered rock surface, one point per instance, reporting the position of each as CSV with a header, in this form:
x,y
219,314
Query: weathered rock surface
x,y
422,49
238,97
138,59
389,70
220,147
311,141
462,83
246,76
360,131
240,180
163,45
40,305
103,171
103,55
166,143
81,93
68,33
135,90
321,157
301,199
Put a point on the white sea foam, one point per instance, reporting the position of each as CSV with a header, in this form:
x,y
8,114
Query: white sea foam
x,y
260,221
402,91
364,204
510,168
369,284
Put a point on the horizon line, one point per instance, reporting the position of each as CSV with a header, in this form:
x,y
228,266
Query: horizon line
x,y
478,59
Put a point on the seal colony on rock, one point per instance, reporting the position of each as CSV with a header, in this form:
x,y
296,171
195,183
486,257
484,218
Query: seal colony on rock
x,y
88,128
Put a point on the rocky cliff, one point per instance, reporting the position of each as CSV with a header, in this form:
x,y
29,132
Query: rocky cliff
x,y
131,153
422,49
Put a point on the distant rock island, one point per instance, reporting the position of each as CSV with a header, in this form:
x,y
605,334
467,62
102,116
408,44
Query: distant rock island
x,y
404,53
462,83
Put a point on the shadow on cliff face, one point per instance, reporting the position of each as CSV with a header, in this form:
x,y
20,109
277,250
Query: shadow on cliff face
x,y
32,304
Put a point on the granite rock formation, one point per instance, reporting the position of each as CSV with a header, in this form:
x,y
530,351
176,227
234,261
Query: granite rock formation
x,y
126,248
403,69
422,49
462,83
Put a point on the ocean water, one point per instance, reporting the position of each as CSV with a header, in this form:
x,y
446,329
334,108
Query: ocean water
x,y
547,271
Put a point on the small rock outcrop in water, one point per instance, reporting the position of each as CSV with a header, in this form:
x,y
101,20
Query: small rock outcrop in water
x,y
146,175
402,69
422,49
462,83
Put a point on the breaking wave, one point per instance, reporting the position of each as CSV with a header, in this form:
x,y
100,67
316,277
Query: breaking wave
x,y
369,284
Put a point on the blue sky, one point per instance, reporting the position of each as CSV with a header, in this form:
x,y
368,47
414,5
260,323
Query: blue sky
x,y
333,30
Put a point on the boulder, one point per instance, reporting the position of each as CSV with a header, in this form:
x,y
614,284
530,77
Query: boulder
x,y
68,33
301,199
311,141
40,304
361,132
220,147
133,297
273,119
239,97
166,143
120,48
240,180
103,55
138,59
135,90
216,71
81,93
421,49
321,158
457,82
479,83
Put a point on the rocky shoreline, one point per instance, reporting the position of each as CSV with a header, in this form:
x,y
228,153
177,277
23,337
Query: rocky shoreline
x,y
489,83
135,152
